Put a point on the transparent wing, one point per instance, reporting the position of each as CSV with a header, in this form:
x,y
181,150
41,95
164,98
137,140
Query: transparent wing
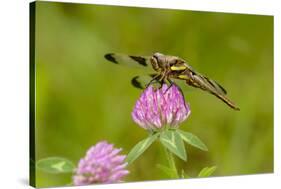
x,y
206,82
141,82
213,85
129,60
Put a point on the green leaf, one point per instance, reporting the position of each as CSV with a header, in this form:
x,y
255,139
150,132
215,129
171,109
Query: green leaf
x,y
184,175
168,171
207,171
192,140
173,142
140,147
55,165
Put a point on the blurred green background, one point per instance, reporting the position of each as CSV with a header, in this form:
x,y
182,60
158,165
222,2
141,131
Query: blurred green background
x,y
81,98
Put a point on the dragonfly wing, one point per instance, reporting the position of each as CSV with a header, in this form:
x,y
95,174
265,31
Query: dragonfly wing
x,y
198,80
216,86
129,60
210,84
212,87
141,82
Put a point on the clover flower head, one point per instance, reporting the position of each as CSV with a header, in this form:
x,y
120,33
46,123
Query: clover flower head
x,y
157,108
102,164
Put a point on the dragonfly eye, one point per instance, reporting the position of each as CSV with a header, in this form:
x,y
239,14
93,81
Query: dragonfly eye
x,y
155,57
158,56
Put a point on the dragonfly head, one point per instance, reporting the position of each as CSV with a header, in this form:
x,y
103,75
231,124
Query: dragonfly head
x,y
158,61
158,56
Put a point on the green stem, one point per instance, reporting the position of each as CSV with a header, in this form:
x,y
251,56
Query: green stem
x,y
172,164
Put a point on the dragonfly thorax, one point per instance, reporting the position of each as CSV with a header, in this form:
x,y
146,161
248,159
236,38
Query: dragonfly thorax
x,y
161,62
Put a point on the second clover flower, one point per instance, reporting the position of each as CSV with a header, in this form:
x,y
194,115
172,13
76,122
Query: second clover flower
x,y
157,108
102,164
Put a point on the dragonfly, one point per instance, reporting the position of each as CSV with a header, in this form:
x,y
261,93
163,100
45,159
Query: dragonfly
x,y
167,69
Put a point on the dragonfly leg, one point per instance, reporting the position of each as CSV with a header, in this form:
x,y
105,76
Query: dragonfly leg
x,y
171,83
163,79
161,82
152,80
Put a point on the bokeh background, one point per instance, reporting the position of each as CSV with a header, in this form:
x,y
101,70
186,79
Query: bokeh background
x,y
82,99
